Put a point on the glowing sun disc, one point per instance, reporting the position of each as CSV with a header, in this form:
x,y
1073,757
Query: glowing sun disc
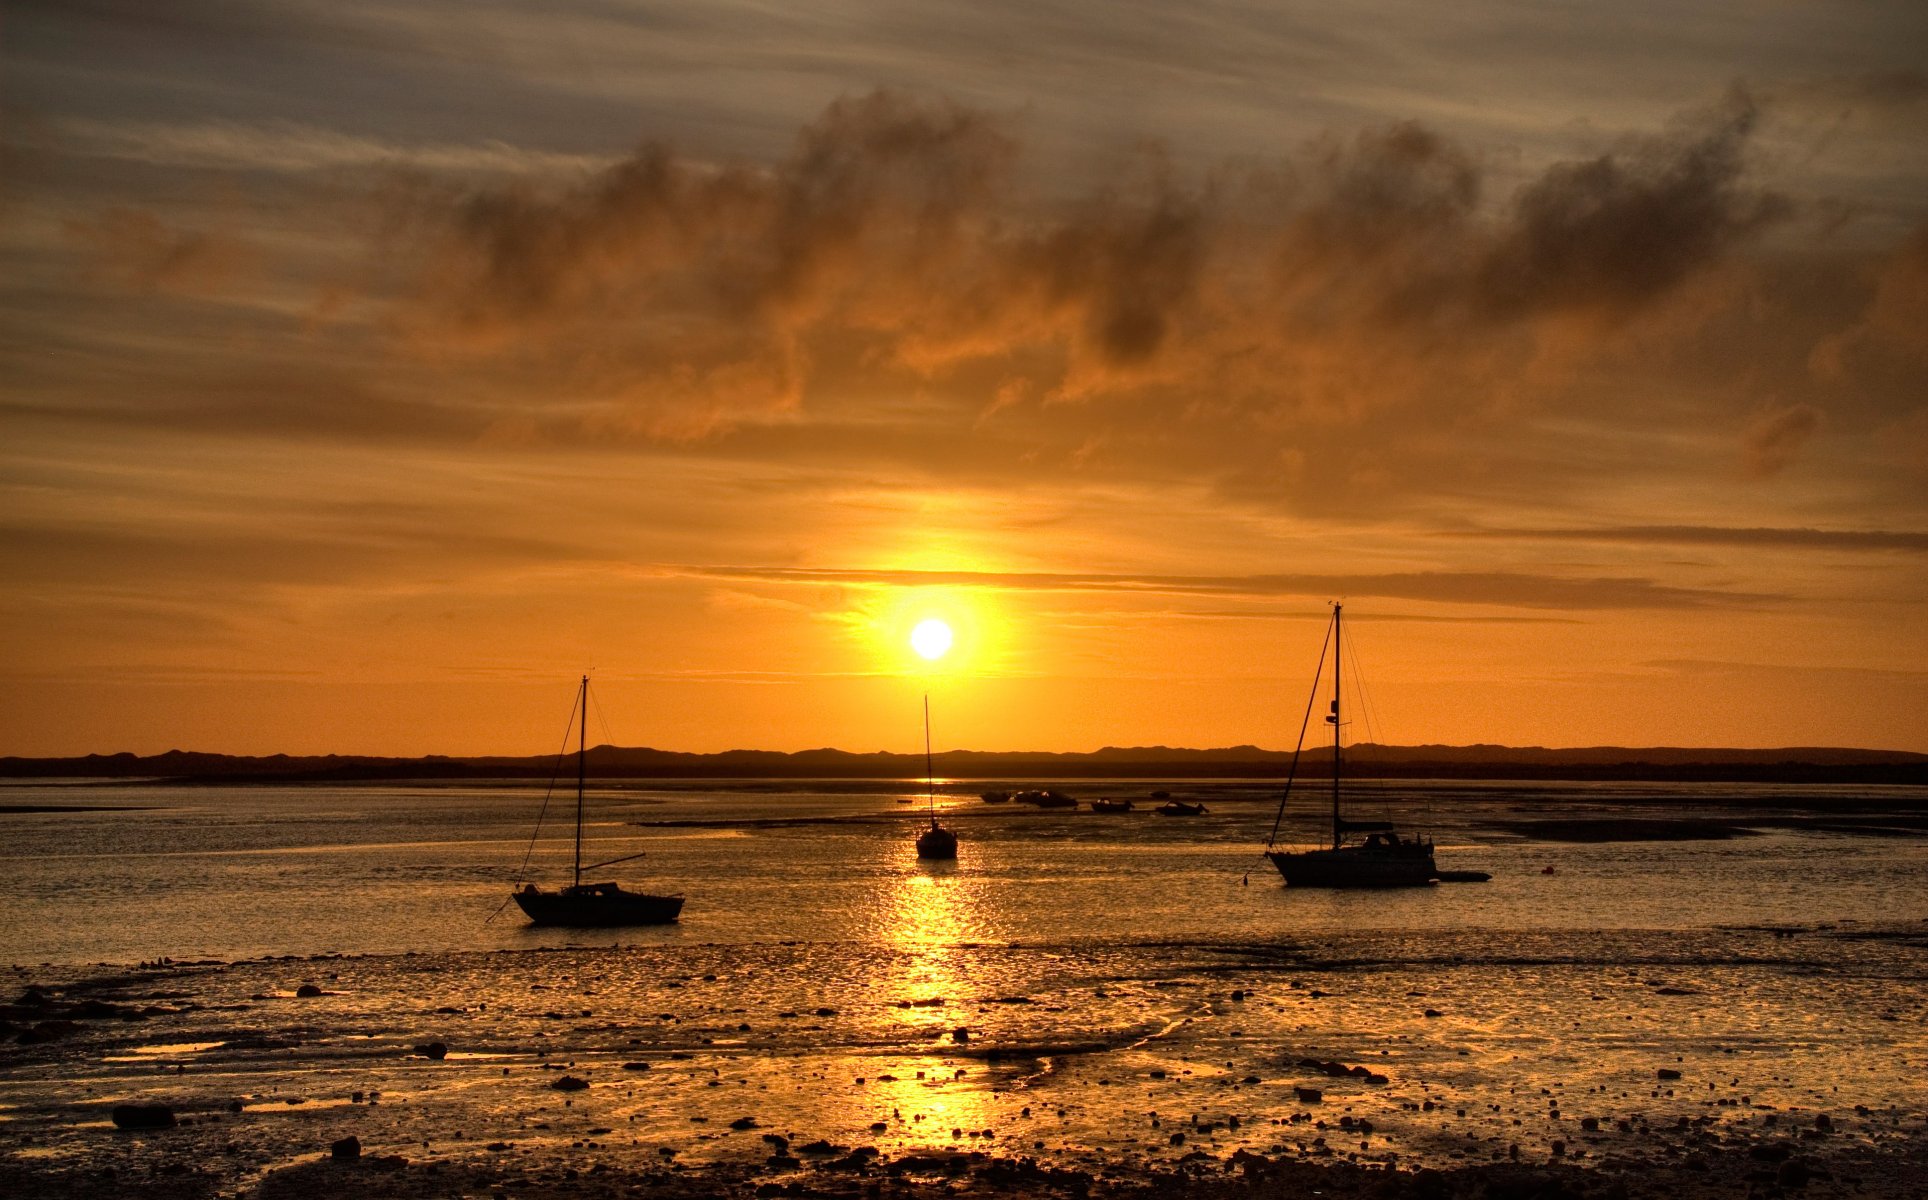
x,y
931,639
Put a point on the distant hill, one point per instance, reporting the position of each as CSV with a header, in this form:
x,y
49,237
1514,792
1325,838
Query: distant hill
x,y
1804,764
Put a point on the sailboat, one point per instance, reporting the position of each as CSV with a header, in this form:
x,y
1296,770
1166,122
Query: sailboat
x,y
593,904
1363,854
936,842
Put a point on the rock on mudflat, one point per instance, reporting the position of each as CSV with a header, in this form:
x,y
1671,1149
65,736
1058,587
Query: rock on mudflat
x,y
307,990
347,1149
569,1083
143,1116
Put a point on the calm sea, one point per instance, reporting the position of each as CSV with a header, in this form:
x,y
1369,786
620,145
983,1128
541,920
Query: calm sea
x,y
237,872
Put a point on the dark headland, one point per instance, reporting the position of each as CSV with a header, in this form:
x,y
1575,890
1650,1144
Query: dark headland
x,y
1801,764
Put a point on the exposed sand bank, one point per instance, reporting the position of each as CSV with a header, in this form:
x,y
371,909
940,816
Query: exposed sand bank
x,y
1790,1066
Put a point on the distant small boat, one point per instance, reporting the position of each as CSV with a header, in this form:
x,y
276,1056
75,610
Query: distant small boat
x,y
936,842
1107,805
1045,798
593,904
1161,794
1178,808
994,797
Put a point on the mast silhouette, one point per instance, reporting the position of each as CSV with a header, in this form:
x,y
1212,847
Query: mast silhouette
x,y
1337,658
582,768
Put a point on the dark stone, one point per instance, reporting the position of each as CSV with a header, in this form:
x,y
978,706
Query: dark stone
x,y
1309,1095
1667,1073
743,1123
143,1116
635,1066
826,1012
569,1083
348,1148
960,1036
435,1050
1794,1173
307,990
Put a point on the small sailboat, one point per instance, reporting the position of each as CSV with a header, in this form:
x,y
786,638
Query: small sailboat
x,y
1379,857
1105,804
936,842
593,904
1178,808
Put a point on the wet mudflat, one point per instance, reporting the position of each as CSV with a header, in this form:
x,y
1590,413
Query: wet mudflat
x,y
1724,1061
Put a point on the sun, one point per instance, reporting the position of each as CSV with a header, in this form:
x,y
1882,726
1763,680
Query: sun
x,y
931,639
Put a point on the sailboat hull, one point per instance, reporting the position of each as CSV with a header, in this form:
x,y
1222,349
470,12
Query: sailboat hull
x,y
1407,865
597,905
937,842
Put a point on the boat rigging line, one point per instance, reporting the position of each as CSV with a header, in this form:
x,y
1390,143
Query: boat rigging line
x,y
555,772
1293,772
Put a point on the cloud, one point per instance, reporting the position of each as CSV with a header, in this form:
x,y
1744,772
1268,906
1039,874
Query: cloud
x,y
1775,438
1450,587
1613,232
1694,535
135,249
292,146
1257,321
1892,329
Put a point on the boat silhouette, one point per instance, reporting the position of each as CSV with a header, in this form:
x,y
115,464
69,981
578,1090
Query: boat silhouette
x,y
592,904
936,842
1363,854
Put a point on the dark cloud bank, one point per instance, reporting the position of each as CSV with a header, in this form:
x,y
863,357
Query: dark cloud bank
x,y
1359,322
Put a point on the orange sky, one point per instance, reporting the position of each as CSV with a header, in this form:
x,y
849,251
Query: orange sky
x,y
366,376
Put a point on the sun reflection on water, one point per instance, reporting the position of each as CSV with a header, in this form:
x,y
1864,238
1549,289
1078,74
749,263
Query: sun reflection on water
x,y
929,912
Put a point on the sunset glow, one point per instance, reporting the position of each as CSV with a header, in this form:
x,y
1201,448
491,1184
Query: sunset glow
x,y
361,402
931,639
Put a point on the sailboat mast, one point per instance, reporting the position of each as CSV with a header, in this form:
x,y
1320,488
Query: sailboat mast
x,y
582,761
930,778
1337,658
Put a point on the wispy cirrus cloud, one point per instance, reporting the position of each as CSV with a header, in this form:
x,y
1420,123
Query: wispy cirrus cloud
x,y
291,146
1451,587
1698,535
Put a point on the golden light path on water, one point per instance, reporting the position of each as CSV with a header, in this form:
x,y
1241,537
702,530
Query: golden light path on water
x,y
930,912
